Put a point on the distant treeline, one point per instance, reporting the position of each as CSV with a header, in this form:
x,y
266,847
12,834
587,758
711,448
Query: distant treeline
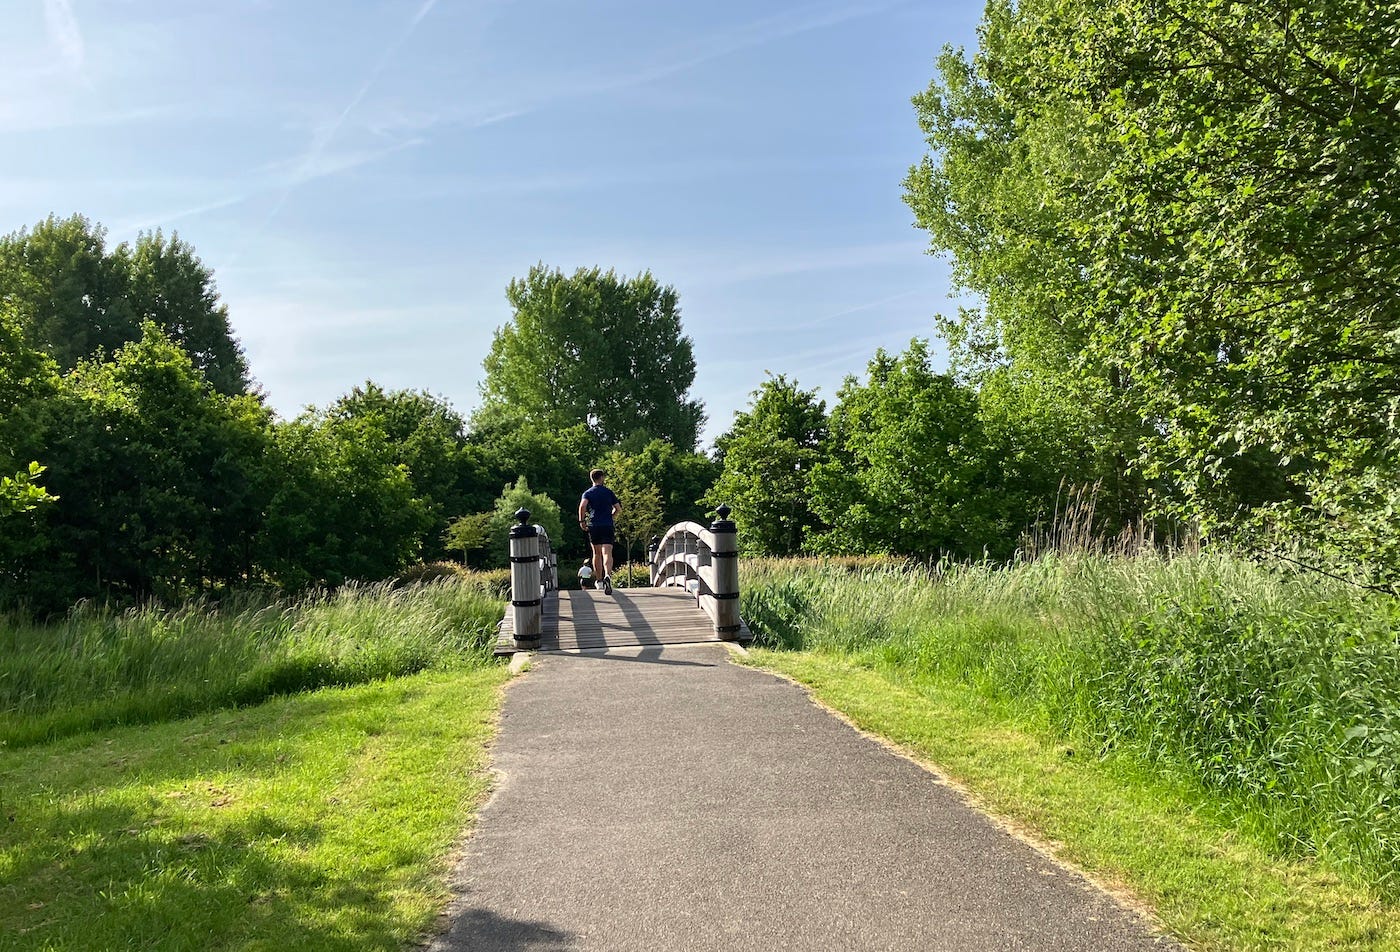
x,y
1183,225
162,474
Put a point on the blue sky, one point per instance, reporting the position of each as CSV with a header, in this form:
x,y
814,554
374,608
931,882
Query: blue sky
x,y
365,176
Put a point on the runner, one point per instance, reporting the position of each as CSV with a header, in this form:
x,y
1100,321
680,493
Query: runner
x,y
595,517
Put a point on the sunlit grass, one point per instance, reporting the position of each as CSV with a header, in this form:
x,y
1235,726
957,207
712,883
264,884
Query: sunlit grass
x,y
1153,836
98,668
1277,691
326,820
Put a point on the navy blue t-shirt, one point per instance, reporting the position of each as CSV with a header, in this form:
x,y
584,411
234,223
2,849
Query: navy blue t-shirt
x,y
600,502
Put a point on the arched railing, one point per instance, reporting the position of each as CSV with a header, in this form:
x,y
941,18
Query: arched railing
x,y
534,571
704,561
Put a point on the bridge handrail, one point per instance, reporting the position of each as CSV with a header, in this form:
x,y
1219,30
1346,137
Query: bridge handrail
x,y
549,562
704,560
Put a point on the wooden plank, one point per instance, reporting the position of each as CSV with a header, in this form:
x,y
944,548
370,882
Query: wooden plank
x,y
582,619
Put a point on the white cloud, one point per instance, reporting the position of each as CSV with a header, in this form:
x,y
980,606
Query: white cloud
x,y
64,33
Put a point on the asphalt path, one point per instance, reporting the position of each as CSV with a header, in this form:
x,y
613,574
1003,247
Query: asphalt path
x,y
666,799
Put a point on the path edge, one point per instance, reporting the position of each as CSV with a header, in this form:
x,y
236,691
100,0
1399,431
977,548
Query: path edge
x,y
1115,889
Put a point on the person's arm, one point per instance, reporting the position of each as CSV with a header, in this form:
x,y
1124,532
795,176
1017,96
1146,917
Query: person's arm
x,y
616,506
583,513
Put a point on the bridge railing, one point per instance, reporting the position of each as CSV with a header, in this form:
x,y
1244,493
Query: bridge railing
x,y
534,572
704,561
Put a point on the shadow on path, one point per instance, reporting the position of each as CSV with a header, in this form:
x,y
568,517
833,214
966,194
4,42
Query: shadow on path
x,y
644,655
484,931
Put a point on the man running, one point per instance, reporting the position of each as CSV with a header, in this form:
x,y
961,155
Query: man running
x,y
601,504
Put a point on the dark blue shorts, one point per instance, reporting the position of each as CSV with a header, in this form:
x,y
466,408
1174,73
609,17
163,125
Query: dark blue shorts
x,y
601,535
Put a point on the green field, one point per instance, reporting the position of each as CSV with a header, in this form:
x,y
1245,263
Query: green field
x,y
286,814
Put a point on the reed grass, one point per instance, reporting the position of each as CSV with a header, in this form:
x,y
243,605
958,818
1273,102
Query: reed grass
x,y
98,668
1278,691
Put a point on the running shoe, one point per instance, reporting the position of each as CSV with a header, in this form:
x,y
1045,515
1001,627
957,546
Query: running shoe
x,y
607,584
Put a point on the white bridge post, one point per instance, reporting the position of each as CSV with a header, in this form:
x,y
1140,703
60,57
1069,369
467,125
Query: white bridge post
x,y
525,596
724,555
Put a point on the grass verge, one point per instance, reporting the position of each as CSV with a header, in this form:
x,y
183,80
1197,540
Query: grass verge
x,y
325,820
1163,840
99,668
1277,691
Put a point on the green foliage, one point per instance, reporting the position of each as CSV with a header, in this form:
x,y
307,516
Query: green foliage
x,y
168,285
597,350
641,516
680,477
159,480
468,533
427,440
342,508
28,377
98,667
768,457
543,512
76,299
632,575
19,493
501,450
908,470
1188,208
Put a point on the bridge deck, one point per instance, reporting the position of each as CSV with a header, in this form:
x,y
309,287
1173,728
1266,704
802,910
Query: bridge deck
x,y
629,616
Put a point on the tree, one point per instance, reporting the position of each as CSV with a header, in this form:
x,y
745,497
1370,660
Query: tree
x,y
76,299
596,349
468,533
642,515
27,378
66,290
768,458
426,438
1194,204
556,464
680,478
343,508
908,471
159,481
543,512
167,284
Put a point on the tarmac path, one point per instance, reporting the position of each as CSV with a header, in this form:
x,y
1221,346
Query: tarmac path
x,y
665,799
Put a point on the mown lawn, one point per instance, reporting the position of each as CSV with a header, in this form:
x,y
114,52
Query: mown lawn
x,y
321,820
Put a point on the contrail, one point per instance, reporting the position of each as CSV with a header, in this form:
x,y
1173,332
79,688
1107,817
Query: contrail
x,y
323,139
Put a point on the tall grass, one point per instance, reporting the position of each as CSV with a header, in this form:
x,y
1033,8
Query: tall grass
x,y
1278,690
99,668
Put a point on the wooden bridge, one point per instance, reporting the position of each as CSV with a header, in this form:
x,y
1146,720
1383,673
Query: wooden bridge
x,y
693,598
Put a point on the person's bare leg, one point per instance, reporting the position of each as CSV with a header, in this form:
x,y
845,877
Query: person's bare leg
x,y
607,560
600,566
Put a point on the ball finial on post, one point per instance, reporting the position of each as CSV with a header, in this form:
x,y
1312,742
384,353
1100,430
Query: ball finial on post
x,y
724,555
522,516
